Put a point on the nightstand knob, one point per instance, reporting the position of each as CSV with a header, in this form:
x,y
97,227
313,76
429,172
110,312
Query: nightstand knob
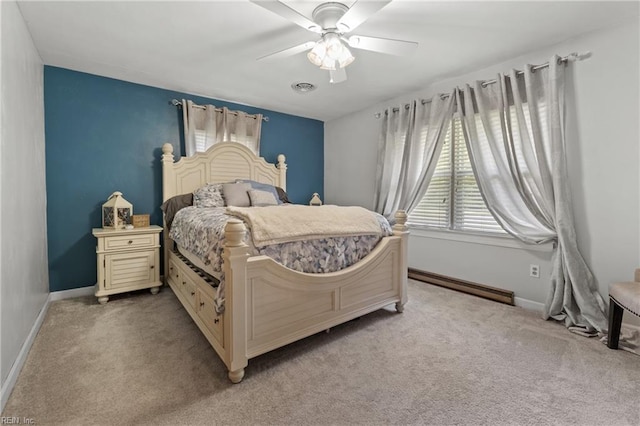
x,y
151,267
217,320
193,293
184,282
130,242
201,304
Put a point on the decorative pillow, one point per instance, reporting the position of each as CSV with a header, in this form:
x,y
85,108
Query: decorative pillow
x,y
209,195
174,204
262,187
262,198
282,195
235,194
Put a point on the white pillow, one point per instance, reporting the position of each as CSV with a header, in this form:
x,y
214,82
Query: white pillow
x,y
262,198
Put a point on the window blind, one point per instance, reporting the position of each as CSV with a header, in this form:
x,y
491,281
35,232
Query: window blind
x,y
435,207
453,199
201,144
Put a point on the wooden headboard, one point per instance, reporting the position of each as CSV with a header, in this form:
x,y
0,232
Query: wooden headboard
x,y
223,162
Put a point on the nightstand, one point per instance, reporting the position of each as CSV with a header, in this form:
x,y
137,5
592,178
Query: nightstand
x,y
128,259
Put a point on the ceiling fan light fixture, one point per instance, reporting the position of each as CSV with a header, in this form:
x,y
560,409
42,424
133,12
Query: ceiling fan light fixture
x,y
328,64
345,57
318,53
330,52
334,45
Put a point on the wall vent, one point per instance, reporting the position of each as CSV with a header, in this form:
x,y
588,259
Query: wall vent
x,y
302,87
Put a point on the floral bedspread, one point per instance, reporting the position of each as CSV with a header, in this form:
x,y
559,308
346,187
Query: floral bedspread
x,y
201,231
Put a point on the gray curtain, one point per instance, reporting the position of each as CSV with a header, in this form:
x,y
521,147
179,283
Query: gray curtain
x,y
515,135
410,142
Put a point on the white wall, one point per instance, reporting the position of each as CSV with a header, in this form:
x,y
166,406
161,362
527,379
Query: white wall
x,y
1,162
24,280
602,144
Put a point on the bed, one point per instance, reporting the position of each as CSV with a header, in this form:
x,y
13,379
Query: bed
x,y
267,305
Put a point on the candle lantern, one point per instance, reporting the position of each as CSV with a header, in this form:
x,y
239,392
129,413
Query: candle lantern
x,y
116,212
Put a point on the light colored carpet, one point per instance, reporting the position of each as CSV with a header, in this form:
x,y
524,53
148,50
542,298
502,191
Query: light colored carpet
x,y
450,358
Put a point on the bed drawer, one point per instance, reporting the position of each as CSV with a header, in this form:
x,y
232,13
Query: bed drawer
x,y
122,242
188,289
174,271
206,312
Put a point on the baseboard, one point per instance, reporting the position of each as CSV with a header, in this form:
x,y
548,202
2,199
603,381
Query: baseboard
x,y
529,305
481,290
69,294
77,292
14,372
12,377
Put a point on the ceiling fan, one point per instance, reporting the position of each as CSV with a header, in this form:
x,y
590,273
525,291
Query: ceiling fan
x,y
333,21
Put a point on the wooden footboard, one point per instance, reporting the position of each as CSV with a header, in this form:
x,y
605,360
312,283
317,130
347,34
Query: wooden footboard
x,y
268,305
284,306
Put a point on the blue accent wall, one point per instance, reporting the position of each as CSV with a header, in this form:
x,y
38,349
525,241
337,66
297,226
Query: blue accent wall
x,y
104,135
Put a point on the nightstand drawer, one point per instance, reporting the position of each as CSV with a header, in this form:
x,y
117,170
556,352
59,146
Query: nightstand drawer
x,y
123,242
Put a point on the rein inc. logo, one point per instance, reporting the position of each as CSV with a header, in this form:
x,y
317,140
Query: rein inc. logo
x,y
17,421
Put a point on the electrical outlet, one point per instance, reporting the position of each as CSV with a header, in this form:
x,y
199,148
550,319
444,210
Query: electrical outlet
x,y
534,271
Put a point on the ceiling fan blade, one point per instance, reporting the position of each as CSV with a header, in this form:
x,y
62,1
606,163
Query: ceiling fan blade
x,y
383,45
292,15
358,13
338,75
290,51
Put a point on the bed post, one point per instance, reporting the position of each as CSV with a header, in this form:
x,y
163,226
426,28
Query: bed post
x,y
401,230
235,256
282,166
167,185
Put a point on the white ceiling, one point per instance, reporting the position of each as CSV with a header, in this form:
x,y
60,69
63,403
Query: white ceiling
x,y
210,48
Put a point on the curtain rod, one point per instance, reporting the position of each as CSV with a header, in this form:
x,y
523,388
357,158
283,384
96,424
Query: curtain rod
x,y
570,57
179,104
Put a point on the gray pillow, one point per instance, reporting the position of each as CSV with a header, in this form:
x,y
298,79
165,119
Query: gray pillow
x,y
262,198
175,204
282,195
262,187
235,194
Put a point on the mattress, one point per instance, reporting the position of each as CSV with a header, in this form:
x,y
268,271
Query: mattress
x,y
197,262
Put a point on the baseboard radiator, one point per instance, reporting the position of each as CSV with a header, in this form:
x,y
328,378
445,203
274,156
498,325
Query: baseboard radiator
x,y
481,290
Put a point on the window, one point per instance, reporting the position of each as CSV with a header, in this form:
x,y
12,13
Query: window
x,y
207,125
453,201
201,141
